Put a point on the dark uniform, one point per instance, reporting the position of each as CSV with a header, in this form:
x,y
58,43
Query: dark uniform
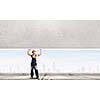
x,y
34,66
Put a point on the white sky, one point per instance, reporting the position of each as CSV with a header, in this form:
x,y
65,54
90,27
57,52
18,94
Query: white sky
x,y
61,60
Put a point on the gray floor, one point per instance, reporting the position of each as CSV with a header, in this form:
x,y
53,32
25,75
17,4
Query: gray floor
x,y
50,76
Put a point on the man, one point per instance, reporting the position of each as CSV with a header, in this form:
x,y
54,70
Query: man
x,y
34,63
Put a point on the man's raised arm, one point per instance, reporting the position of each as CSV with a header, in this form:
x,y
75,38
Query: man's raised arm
x,y
28,52
40,52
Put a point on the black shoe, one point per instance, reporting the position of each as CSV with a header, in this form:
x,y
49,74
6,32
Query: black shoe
x,y
31,78
37,78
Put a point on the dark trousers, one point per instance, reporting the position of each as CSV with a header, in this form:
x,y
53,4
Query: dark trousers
x,y
34,67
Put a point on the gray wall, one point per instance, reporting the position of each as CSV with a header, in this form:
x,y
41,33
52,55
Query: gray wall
x,y
49,34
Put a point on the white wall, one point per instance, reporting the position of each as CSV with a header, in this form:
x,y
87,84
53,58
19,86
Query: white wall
x,y
49,33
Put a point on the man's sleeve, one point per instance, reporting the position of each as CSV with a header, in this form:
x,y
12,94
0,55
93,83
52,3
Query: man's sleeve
x,y
37,55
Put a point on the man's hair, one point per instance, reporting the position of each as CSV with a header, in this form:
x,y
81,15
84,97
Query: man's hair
x,y
33,51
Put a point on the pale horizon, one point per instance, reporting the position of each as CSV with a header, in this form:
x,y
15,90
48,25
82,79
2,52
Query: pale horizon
x,y
51,61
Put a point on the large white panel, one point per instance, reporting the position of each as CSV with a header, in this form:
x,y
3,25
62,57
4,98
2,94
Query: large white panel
x,y
49,34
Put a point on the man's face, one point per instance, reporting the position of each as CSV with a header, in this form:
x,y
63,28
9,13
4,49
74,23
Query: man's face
x,y
33,52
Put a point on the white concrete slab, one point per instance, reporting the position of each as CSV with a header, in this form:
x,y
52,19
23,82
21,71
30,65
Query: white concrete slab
x,y
49,34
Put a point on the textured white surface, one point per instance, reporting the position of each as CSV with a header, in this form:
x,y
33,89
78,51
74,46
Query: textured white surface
x,y
49,34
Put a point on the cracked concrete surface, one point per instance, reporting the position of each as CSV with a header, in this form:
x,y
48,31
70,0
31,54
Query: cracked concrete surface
x,y
49,34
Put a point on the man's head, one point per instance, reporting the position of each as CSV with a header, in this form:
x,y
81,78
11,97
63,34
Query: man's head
x,y
33,51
